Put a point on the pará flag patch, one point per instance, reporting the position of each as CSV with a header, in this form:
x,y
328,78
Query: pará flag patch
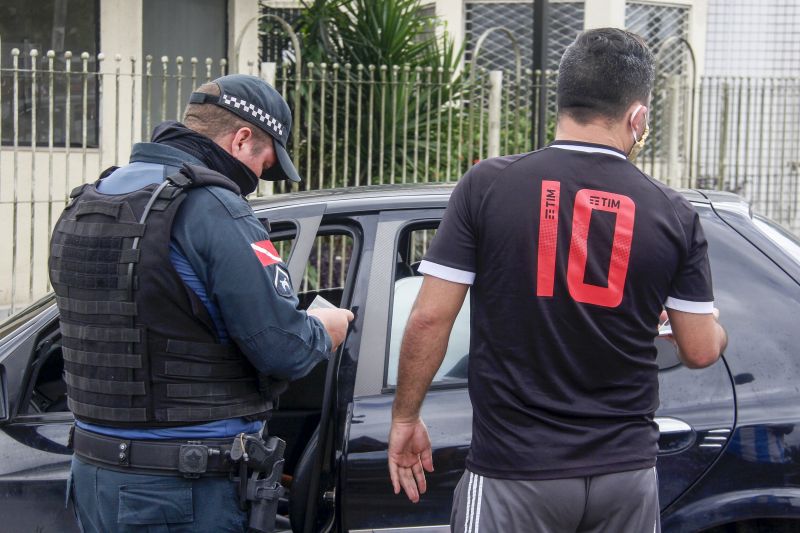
x,y
266,253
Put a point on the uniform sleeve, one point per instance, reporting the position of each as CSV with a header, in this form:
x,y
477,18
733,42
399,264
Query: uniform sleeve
x,y
451,255
691,290
231,254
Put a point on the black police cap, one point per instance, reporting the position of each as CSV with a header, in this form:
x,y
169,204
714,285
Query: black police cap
x,y
257,102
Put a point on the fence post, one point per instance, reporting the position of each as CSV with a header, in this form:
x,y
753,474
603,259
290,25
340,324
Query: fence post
x,y
268,72
673,131
723,137
495,99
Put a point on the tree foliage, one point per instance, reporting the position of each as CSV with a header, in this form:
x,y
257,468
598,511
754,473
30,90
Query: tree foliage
x,y
416,86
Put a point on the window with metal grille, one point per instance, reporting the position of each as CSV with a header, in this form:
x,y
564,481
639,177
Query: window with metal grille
x,y
276,47
566,21
753,38
60,26
662,27
427,13
659,25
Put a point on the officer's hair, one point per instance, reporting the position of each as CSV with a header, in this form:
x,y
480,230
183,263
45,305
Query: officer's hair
x,y
214,121
602,73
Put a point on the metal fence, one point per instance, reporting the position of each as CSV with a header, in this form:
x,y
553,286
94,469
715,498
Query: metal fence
x,y
62,123
749,142
382,124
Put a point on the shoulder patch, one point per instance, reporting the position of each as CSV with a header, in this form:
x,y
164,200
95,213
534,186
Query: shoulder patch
x,y
236,205
283,284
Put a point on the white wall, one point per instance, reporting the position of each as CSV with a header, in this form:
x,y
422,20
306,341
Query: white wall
x,y
242,35
452,13
604,14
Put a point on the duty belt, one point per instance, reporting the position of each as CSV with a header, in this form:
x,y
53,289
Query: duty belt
x,y
187,458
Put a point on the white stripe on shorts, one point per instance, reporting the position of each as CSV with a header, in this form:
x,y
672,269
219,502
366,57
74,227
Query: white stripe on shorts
x,y
467,514
655,522
478,512
474,496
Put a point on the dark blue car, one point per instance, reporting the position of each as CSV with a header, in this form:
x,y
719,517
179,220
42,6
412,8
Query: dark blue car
x,y
730,433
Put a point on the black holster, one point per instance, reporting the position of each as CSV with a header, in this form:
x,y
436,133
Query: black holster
x,y
260,489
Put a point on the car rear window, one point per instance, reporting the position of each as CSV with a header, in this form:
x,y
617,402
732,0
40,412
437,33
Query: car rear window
x,y
777,234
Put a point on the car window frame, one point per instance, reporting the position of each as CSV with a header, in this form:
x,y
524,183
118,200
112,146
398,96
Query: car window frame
x,y
46,324
406,229
741,222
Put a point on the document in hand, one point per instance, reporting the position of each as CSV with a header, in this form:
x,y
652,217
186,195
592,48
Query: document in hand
x,y
321,303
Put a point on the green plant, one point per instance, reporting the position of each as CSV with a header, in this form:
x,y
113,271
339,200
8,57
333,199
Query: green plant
x,y
415,86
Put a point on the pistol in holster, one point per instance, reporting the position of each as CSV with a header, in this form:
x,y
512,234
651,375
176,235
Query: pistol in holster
x,y
260,468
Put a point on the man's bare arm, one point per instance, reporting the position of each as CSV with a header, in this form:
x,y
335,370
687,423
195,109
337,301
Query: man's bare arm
x,y
425,343
699,337
421,353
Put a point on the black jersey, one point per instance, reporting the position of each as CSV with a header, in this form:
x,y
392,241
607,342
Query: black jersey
x,y
571,252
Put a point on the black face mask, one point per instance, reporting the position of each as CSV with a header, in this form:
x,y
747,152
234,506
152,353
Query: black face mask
x,y
212,155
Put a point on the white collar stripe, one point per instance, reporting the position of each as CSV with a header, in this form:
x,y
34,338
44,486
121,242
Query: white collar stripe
x,y
590,149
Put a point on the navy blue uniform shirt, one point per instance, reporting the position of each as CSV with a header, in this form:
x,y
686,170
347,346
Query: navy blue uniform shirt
x,y
212,250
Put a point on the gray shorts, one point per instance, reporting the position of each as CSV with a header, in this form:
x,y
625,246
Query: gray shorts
x,y
624,502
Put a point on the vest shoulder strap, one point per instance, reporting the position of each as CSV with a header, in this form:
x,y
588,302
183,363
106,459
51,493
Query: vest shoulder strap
x,y
77,191
192,176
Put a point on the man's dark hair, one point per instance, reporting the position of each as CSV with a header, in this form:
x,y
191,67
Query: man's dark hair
x,y
602,73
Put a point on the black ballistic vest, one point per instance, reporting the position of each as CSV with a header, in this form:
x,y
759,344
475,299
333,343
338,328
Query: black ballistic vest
x,y
140,348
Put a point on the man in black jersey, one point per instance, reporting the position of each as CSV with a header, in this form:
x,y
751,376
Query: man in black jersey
x,y
571,253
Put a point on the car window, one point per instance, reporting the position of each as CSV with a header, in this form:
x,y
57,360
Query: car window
x,y
325,273
777,234
327,267
413,245
454,367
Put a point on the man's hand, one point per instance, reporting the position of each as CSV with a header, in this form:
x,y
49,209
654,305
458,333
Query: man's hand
x,y
409,456
335,322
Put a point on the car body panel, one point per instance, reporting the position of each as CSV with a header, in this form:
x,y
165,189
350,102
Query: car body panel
x,y
730,447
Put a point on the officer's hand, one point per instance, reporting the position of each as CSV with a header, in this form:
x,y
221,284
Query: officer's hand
x,y
335,322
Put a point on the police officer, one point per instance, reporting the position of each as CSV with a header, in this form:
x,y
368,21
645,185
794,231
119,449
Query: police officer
x,y
569,253
178,319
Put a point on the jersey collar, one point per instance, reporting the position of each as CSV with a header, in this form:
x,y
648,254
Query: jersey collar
x,y
592,148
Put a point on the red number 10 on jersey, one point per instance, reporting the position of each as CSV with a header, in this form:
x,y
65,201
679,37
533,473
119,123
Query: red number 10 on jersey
x,y
586,200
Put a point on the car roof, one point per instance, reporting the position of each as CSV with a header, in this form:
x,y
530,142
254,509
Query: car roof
x,y
414,196
371,197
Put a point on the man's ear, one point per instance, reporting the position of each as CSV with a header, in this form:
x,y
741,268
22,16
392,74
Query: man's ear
x,y
242,136
638,114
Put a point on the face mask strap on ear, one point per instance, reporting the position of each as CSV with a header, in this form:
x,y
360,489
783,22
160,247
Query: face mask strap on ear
x,y
635,140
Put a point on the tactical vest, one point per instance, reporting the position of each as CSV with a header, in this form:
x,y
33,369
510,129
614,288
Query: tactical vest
x,y
140,348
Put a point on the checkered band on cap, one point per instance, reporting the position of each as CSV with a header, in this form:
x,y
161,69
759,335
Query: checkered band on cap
x,y
257,112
